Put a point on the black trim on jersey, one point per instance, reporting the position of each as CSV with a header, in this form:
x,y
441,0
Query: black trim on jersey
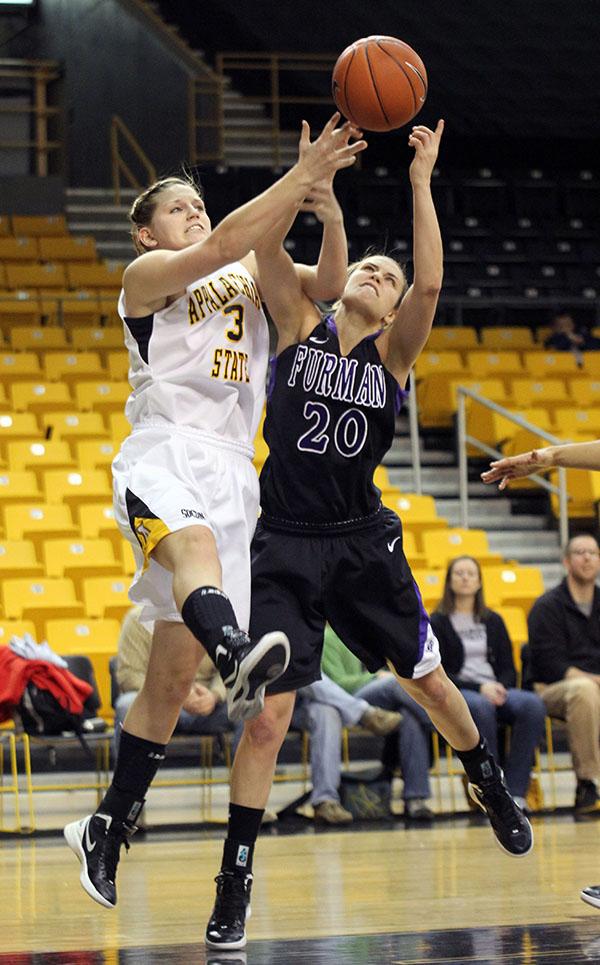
x,y
136,508
141,330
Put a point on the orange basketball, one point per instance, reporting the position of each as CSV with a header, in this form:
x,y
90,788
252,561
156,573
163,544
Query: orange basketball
x,y
379,83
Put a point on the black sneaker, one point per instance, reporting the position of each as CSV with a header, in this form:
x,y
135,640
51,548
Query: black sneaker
x,y
97,840
247,668
513,831
587,804
591,895
227,925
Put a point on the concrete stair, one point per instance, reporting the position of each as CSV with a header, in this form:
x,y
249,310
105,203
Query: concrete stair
x,y
92,211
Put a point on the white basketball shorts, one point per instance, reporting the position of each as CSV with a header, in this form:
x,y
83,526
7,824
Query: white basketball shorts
x,y
165,479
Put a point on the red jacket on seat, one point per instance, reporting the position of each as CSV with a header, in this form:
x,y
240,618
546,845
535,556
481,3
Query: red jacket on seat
x,y
16,673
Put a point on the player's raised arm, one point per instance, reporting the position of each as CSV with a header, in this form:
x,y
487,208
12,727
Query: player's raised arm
x,y
160,273
415,316
577,455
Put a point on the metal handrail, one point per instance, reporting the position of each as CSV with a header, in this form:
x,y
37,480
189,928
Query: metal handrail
x,y
464,439
415,443
119,165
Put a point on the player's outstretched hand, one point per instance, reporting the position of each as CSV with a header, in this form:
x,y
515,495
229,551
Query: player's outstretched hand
x,y
323,203
332,150
516,467
426,144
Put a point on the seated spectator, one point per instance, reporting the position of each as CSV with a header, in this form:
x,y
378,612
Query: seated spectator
x,y
564,641
477,655
324,709
204,711
384,690
566,336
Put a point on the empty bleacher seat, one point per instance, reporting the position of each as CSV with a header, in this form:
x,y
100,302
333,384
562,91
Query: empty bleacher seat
x,y
41,396
75,487
39,456
442,545
74,366
74,425
106,597
97,639
516,337
79,559
36,276
36,226
512,585
39,600
38,522
102,396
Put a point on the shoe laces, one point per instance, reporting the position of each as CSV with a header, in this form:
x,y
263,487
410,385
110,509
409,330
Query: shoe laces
x,y
232,899
111,852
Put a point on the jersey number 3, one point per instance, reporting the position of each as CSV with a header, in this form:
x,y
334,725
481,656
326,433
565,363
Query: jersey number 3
x,y
349,433
237,313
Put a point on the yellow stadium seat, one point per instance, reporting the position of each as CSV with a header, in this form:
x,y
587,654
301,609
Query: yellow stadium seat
x,y
431,586
512,585
18,425
41,396
498,365
67,248
18,558
543,365
129,565
572,422
447,363
39,600
95,454
451,337
74,366
74,487
382,480
70,309
36,226
437,396
109,313
35,276
583,488
496,430
417,512
516,337
102,396
5,227
591,365
119,427
95,276
15,628
442,545
74,425
102,340
117,363
18,249
19,486
79,558
39,456
516,623
17,308
542,332
37,338
106,597
96,639
38,522
412,552
586,391
19,367
97,521
550,393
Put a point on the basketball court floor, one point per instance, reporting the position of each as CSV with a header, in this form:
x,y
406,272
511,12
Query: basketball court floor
x,y
378,894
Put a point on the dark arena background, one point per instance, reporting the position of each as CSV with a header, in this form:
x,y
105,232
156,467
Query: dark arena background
x,y
97,99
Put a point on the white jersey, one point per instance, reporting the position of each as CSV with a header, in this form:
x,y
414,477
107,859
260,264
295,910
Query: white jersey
x,y
201,362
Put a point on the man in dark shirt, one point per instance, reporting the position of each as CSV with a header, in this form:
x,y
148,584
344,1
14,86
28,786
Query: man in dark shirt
x,y
564,638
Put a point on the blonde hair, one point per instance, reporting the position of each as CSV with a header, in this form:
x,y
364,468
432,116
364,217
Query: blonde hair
x,y
143,208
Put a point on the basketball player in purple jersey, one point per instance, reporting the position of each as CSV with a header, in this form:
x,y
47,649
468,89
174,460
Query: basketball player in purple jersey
x,y
325,549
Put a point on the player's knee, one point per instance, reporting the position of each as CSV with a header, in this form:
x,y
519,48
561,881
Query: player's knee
x,y
433,690
266,730
171,690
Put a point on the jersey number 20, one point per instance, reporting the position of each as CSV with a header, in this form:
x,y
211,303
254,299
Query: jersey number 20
x,y
349,433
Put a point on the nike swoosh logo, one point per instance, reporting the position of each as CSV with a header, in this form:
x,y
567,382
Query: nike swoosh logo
x,y
318,341
391,545
88,843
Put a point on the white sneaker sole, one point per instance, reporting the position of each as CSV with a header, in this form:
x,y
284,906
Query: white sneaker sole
x,y
589,899
73,835
512,854
229,946
241,704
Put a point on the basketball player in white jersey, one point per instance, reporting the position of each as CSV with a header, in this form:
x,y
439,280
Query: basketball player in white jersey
x,y
186,492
